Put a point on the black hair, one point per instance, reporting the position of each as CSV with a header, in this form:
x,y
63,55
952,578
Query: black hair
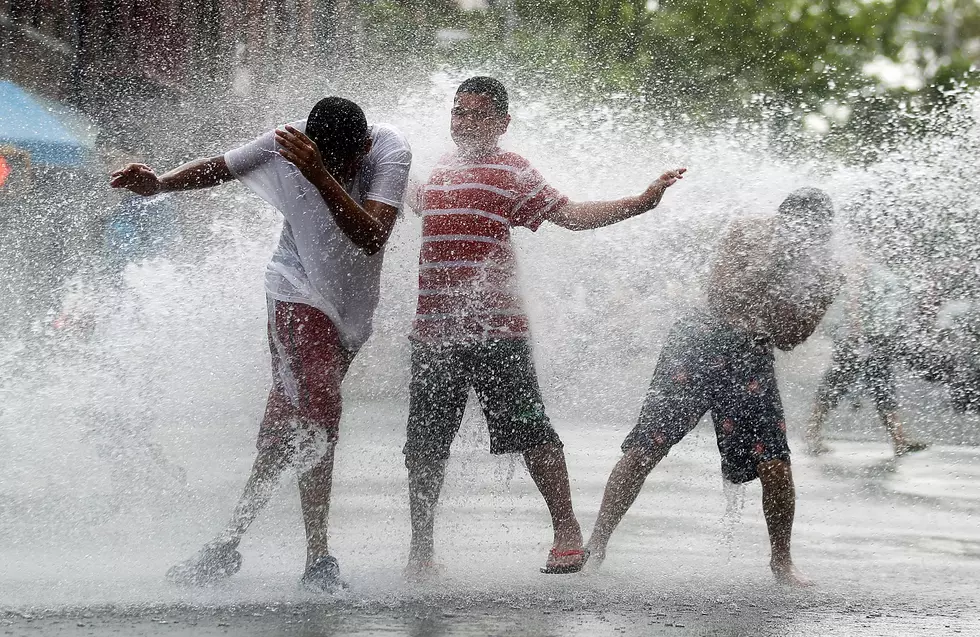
x,y
338,128
492,88
810,205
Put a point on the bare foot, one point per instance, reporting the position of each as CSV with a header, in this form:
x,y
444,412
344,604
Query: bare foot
x,y
594,557
787,575
910,446
816,447
420,571
568,537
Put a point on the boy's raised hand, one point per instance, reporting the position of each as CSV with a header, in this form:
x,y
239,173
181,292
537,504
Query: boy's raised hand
x,y
300,150
655,192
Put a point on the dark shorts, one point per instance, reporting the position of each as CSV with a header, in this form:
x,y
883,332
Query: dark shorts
x,y
705,366
500,371
869,363
308,365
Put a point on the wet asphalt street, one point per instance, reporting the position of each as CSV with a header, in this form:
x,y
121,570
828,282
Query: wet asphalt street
x,y
893,546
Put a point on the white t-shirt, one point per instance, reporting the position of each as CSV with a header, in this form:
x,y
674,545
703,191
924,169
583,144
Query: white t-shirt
x,y
316,263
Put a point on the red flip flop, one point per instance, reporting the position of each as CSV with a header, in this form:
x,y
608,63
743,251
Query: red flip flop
x,y
564,569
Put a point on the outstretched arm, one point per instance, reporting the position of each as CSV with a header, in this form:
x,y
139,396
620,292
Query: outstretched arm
x,y
200,173
588,215
368,226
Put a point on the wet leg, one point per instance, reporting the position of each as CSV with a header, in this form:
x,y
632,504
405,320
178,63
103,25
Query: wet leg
x,y
896,432
779,507
425,479
438,394
815,445
546,464
845,370
315,485
259,489
622,489
220,558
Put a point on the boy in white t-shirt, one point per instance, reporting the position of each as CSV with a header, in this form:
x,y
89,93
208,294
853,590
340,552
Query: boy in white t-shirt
x,y
339,185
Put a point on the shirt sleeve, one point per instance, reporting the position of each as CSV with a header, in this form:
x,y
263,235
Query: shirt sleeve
x,y
394,160
248,157
260,168
535,200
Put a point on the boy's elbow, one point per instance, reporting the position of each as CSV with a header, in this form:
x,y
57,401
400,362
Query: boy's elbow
x,y
577,224
569,219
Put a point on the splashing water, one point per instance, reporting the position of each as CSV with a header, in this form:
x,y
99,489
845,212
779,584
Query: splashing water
x,y
127,441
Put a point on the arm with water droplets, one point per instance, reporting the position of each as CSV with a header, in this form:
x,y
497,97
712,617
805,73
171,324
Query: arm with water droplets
x,y
194,175
367,226
588,215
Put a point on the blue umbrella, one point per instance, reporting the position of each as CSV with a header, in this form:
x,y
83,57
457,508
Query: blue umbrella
x,y
26,124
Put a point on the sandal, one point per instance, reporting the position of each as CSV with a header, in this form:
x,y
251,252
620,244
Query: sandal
x,y
551,568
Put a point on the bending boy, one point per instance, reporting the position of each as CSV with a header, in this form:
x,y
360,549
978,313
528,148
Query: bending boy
x,y
770,284
339,184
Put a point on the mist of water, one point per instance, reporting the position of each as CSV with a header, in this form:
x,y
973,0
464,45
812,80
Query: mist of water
x,y
129,439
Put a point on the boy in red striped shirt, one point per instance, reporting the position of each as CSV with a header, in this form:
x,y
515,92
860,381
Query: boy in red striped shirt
x,y
471,330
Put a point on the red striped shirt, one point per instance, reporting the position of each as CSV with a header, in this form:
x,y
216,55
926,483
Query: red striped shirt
x,y
467,267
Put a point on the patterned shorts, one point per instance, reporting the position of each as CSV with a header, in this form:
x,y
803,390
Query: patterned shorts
x,y
707,365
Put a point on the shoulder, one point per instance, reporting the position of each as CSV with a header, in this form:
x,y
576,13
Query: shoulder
x,y
750,229
386,139
448,159
513,160
266,139
516,170
258,153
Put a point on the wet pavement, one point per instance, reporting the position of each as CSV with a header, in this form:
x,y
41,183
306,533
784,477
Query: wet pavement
x,y
736,614
893,546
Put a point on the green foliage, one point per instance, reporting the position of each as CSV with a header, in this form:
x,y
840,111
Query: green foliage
x,y
713,58
393,27
784,60
781,46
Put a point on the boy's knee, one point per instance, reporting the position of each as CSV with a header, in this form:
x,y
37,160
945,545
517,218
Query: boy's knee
x,y
546,451
421,464
642,460
310,447
775,469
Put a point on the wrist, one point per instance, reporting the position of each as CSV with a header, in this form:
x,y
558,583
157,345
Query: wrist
x,y
323,180
642,203
648,200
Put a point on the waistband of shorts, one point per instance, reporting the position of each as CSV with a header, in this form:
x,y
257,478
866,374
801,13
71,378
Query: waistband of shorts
x,y
712,319
469,343
467,339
